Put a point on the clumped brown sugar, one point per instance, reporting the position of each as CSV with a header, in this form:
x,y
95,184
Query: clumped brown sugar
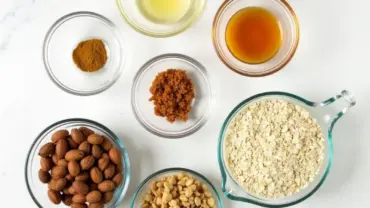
x,y
172,94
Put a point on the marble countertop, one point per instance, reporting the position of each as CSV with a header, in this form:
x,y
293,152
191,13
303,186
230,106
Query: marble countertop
x,y
332,56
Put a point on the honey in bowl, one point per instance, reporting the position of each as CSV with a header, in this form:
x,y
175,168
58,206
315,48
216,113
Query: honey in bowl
x,y
253,35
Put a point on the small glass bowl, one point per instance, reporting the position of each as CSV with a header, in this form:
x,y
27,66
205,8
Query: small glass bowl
x,y
38,190
144,187
130,11
64,36
144,109
290,36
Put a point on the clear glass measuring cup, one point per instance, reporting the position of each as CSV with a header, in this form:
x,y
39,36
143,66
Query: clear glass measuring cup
x,y
326,113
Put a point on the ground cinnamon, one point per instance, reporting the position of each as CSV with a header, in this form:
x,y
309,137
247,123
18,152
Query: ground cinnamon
x,y
90,55
172,93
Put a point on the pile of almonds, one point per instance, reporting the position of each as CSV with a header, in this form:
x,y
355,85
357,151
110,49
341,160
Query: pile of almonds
x,y
81,168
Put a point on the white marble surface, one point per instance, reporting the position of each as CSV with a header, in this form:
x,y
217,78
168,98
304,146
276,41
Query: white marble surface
x,y
333,55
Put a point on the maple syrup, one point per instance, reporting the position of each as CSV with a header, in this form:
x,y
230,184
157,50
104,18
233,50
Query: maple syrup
x,y
253,35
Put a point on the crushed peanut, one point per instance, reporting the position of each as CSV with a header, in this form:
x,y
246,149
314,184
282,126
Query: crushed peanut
x,y
178,191
273,148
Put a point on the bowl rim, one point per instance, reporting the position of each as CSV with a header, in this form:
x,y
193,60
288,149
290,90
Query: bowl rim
x,y
225,175
286,59
49,35
136,110
113,136
177,169
183,28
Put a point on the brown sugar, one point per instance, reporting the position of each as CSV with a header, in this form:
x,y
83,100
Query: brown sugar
x,y
172,93
90,55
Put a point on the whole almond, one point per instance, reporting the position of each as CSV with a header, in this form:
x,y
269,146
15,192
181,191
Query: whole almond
x,y
87,162
80,187
72,190
93,197
67,200
79,198
96,175
58,172
58,135
93,186
110,171
76,205
95,139
52,184
96,151
72,144
115,155
117,179
63,163
96,205
47,149
55,159
107,144
86,131
46,164
119,168
44,176
103,163
69,177
54,196
77,136
61,148
105,155
74,168
108,196
60,184
83,176
85,147
106,186
74,155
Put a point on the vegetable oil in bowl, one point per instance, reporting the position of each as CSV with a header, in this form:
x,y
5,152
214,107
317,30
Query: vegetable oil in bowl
x,y
253,35
164,11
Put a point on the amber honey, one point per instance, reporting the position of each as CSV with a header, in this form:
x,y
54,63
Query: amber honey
x,y
253,35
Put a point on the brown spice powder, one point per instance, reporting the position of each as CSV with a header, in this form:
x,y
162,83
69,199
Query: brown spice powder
x,y
172,93
90,55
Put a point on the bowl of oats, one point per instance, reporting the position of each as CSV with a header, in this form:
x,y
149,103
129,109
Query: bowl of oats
x,y
275,148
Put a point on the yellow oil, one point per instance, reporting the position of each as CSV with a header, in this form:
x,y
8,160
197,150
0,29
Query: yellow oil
x,y
164,11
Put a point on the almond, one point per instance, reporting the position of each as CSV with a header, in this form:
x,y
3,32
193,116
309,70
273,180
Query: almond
x,y
74,155
87,162
72,144
66,191
54,196
103,163
94,197
106,186
61,148
85,147
115,155
79,198
80,187
117,179
96,175
55,159
95,139
46,164
96,205
107,144
47,149
58,135
77,136
74,168
58,172
108,196
76,205
44,176
110,171
67,200
69,177
86,131
60,184
63,163
83,177
96,151
119,168
105,155
72,190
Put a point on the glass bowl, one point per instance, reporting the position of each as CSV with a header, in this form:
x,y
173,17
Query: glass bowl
x,y
326,114
289,28
38,190
146,184
131,12
64,36
144,109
